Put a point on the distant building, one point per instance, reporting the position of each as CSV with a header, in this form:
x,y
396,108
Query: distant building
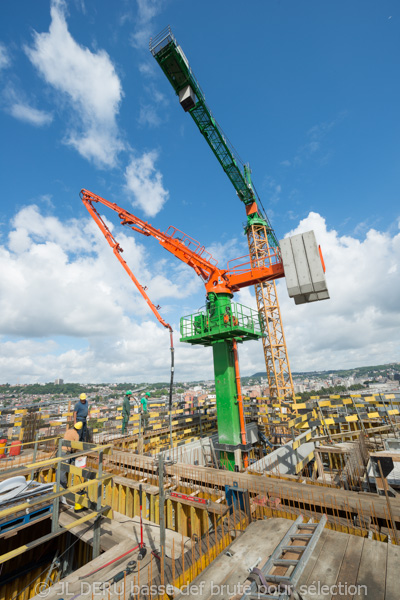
x,y
59,382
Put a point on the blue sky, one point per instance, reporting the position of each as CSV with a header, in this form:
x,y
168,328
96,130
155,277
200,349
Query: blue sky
x,y
308,93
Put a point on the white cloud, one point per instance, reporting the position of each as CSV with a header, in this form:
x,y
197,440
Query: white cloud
x,y
314,145
147,10
228,250
147,69
58,278
5,60
47,200
15,103
273,191
61,280
30,115
149,111
88,80
360,324
148,116
141,355
145,183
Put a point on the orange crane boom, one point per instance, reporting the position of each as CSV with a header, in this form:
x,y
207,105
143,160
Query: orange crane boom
x,y
188,250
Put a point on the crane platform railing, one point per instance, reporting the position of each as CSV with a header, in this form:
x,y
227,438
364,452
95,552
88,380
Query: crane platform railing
x,y
190,243
272,257
205,328
161,41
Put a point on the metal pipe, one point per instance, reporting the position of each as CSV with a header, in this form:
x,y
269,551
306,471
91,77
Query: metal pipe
x,y
56,501
240,401
385,489
141,521
109,563
161,506
171,389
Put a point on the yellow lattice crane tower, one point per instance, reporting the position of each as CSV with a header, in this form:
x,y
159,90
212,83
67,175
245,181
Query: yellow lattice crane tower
x,y
274,344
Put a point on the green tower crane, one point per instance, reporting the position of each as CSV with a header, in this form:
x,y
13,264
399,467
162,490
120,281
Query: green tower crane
x,y
261,236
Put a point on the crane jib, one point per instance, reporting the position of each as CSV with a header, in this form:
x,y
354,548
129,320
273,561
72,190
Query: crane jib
x,y
217,143
176,68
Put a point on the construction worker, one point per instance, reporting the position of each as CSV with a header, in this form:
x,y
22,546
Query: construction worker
x,y
71,435
126,410
81,412
143,402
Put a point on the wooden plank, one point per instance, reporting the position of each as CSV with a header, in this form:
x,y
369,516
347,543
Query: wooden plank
x,y
326,569
107,541
392,591
372,571
313,558
349,570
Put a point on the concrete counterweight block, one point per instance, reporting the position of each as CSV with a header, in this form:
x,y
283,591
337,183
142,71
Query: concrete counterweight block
x,y
304,271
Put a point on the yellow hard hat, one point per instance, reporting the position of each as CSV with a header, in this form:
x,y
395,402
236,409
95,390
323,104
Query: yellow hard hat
x,y
78,425
82,397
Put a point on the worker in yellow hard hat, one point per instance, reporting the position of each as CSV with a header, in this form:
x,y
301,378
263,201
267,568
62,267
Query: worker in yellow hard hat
x,y
71,435
81,412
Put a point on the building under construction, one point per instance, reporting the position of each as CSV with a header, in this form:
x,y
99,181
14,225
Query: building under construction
x,y
155,518
236,498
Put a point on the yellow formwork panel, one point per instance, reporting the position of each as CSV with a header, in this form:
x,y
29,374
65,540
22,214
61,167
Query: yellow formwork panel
x,y
351,418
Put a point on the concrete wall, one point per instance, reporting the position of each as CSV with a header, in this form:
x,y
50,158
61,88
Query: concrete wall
x,y
283,460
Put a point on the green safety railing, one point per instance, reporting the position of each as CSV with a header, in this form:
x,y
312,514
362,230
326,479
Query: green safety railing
x,y
205,328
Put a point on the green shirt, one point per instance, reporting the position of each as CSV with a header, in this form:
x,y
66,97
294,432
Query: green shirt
x,y
143,402
126,407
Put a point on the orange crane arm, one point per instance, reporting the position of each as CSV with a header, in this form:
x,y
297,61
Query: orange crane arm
x,y
190,252
117,251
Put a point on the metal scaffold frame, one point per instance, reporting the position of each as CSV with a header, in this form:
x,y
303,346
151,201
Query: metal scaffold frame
x,y
88,493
